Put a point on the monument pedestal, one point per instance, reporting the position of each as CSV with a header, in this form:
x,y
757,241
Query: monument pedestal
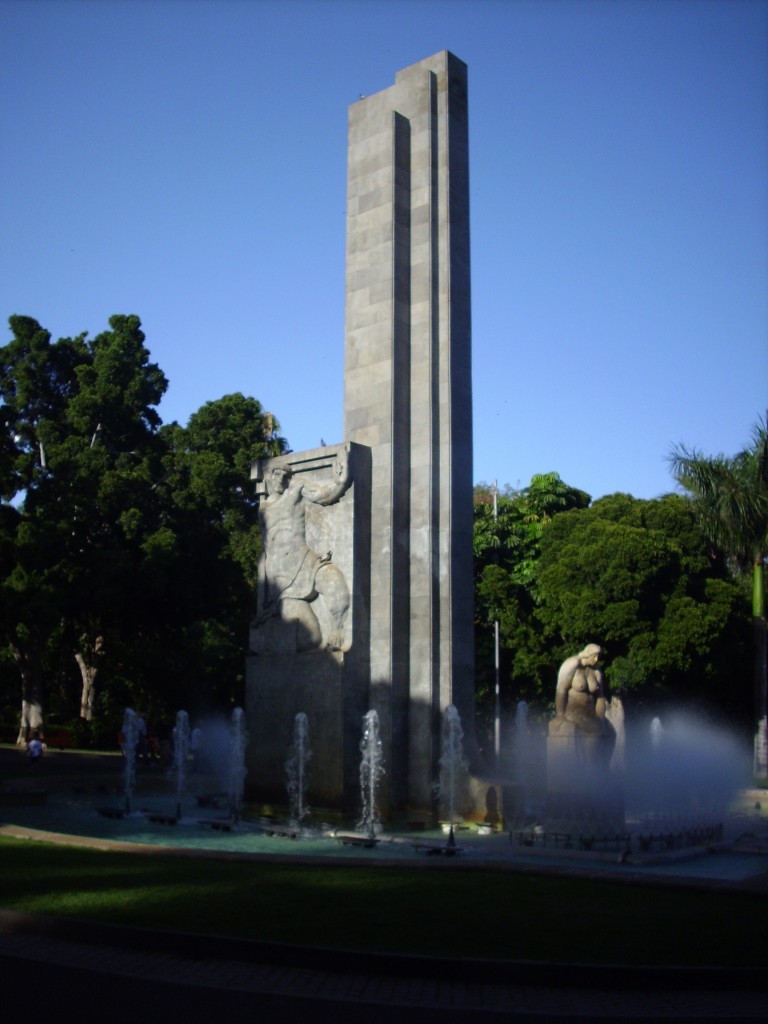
x,y
277,690
298,661
582,794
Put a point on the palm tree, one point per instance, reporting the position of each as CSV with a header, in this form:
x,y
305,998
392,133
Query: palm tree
x,y
731,498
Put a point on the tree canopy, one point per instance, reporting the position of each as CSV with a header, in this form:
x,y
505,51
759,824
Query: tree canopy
x,y
129,545
638,577
129,551
730,500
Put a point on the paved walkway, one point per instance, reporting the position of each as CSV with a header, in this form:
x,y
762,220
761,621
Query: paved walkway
x,y
145,975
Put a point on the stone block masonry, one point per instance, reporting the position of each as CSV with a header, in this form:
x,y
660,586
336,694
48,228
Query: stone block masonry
x,y
408,396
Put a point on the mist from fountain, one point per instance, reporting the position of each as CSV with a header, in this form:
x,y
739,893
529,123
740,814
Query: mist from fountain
x,y
371,773
238,738
296,770
180,756
685,771
521,756
674,789
130,739
656,731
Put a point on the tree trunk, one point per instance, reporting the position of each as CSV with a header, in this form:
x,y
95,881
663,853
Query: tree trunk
x,y
31,692
760,640
88,673
760,767
87,663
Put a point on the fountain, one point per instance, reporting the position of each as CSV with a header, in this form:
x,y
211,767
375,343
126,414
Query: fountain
x,y
668,789
675,791
237,770
130,739
371,771
296,770
677,783
180,756
452,763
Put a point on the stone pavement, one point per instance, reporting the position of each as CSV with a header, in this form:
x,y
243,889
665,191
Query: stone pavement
x,y
124,974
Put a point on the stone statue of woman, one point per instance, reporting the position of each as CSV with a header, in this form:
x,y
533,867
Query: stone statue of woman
x,y
580,705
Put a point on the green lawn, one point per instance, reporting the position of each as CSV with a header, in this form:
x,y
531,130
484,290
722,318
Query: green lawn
x,y
437,911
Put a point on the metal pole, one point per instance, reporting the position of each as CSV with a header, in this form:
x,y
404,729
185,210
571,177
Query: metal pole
x,y
497,696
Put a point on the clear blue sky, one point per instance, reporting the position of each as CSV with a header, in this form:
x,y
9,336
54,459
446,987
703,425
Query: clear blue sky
x,y
186,161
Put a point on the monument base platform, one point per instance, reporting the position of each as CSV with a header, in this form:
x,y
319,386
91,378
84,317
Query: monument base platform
x,y
582,793
276,691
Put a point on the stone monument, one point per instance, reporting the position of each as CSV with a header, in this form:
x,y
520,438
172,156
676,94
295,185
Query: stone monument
x,y
309,637
393,505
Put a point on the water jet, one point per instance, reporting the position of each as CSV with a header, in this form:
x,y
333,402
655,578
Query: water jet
x,y
452,763
237,769
296,770
180,756
371,773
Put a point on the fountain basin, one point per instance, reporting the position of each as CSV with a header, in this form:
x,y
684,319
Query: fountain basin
x,y
217,824
356,839
70,819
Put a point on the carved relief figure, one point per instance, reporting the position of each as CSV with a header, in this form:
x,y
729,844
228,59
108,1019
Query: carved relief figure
x,y
291,575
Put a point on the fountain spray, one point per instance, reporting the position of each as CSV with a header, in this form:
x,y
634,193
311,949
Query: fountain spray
x,y
180,756
371,771
296,769
238,741
130,738
451,763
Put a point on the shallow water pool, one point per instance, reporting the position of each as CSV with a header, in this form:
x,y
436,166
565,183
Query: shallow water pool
x,y
78,815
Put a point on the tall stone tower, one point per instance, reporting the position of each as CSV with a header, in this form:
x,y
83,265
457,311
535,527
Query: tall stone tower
x,y
365,582
408,399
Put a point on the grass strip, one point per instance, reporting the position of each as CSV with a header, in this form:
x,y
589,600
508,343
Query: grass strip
x,y
440,912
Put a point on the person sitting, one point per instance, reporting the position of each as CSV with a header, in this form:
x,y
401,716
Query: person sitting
x,y
35,748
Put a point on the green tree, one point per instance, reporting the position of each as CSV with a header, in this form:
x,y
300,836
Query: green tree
x,y
37,380
110,463
730,496
214,542
78,491
125,545
28,610
211,463
636,577
507,542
